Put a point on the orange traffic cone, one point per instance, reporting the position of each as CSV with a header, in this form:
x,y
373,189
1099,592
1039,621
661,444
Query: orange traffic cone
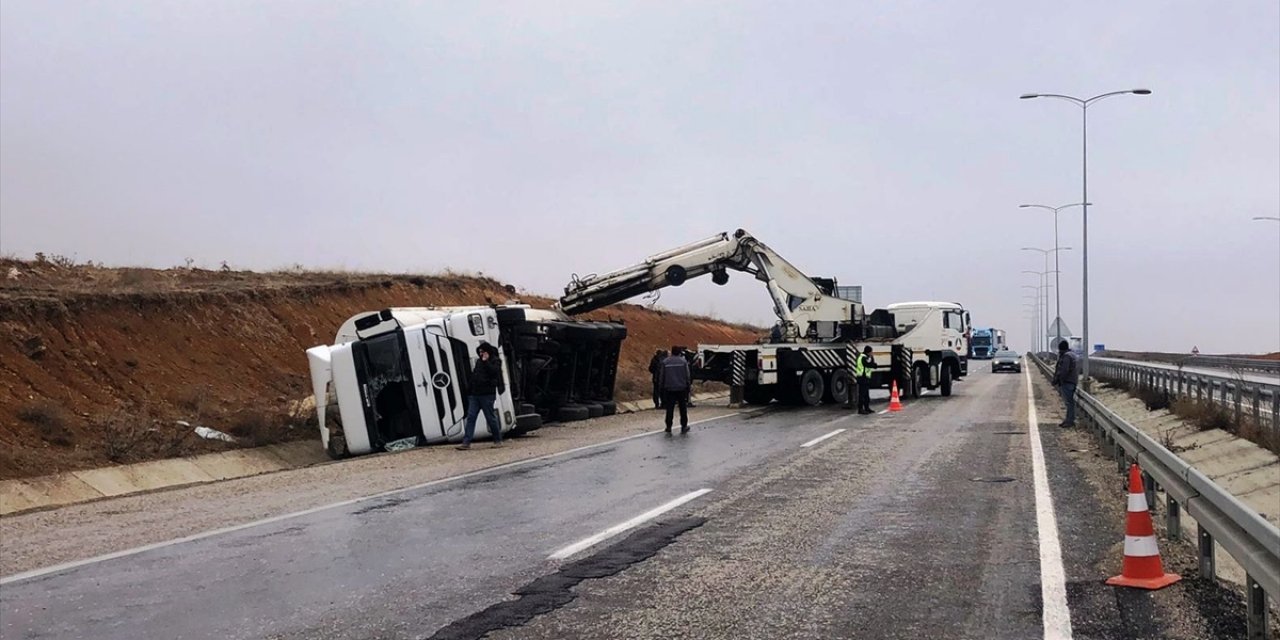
x,y
894,403
1142,566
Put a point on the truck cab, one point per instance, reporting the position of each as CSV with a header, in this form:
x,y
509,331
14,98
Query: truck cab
x,y
937,333
403,374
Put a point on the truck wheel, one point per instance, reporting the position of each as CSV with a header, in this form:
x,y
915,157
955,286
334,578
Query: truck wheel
x,y
812,387
526,423
918,374
572,413
838,387
594,410
610,407
946,379
758,393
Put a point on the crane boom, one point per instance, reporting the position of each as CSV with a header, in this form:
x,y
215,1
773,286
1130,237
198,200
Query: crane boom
x,y
804,308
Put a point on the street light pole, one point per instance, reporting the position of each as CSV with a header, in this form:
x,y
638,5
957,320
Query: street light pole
x,y
1044,286
1036,335
1084,104
1057,279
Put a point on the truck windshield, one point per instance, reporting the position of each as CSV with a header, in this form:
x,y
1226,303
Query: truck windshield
x,y
981,341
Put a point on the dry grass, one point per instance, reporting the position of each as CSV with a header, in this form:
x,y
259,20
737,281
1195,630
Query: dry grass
x,y
50,420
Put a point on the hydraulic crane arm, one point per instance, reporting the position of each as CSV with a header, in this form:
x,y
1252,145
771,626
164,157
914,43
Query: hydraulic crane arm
x,y
798,301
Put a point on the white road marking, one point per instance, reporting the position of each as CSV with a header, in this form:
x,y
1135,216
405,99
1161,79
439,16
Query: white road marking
x,y
66,566
1053,578
821,438
592,541
883,412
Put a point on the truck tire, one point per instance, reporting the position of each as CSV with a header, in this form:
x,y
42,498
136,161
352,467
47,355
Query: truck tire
x,y
594,410
838,387
526,423
946,379
572,413
610,407
758,394
919,374
524,408
812,387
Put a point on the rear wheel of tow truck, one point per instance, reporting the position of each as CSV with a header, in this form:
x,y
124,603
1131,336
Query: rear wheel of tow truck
x,y
594,409
946,378
758,394
812,387
838,387
572,413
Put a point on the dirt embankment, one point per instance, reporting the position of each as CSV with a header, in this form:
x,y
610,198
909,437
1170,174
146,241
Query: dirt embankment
x,y
98,364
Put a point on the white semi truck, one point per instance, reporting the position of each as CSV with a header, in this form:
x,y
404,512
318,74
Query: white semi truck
x,y
401,374
808,356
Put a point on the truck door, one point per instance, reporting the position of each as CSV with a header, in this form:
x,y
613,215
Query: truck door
x,y
440,371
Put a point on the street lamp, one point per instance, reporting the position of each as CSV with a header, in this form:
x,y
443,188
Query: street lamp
x,y
1057,283
1044,286
1057,280
1084,105
1036,335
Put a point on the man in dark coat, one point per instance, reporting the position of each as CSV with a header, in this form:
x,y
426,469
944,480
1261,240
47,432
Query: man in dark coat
x,y
486,383
655,372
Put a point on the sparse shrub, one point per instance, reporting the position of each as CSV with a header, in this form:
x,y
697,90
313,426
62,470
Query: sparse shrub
x,y
257,427
128,437
50,420
1204,415
418,281
1154,399
132,277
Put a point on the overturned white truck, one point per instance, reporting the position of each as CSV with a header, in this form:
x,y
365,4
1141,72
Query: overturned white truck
x,y
401,374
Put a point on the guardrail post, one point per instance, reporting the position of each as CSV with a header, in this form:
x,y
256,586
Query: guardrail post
x,y
1148,487
1255,609
1172,517
1208,567
1257,405
1239,413
1120,462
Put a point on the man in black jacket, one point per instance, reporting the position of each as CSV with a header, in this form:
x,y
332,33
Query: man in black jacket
x,y
655,372
486,382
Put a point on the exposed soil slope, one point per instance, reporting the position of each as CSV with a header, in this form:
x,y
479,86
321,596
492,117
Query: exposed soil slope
x,y
97,364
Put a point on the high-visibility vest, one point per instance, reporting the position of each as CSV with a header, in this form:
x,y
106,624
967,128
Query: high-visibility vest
x,y
860,369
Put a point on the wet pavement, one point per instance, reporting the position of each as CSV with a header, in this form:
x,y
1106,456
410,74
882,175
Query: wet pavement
x,y
917,524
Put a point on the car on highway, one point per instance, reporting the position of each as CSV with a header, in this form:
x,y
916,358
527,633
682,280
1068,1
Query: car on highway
x,y
1006,360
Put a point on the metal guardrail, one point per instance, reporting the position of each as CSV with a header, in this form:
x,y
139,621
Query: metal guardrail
x,y
1216,362
1249,538
1257,400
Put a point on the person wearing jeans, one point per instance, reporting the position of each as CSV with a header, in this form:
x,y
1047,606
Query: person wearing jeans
x,y
1065,377
486,382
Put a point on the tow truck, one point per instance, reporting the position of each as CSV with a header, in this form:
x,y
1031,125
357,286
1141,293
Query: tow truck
x,y
808,357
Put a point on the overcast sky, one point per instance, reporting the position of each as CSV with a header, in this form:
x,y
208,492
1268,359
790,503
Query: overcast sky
x,y
881,143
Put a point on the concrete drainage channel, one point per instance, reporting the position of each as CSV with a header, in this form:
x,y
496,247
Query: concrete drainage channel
x,y
1203,480
74,487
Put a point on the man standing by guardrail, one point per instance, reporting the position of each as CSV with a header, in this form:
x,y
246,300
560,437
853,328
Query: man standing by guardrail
x,y
1065,377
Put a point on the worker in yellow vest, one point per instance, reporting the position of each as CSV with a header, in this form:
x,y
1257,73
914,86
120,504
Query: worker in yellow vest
x,y
862,375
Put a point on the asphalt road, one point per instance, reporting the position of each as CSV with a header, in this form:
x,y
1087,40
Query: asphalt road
x,y
917,524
